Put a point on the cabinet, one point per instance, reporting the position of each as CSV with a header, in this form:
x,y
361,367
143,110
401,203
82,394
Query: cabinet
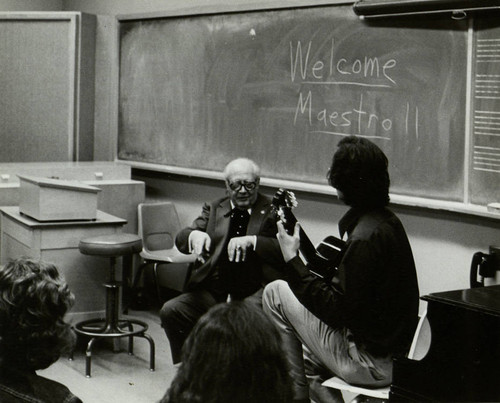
x,y
47,84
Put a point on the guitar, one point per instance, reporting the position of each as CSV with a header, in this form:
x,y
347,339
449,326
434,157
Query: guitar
x,y
321,261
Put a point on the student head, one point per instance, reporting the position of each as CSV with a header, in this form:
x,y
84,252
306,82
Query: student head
x,y
360,174
33,301
233,354
242,182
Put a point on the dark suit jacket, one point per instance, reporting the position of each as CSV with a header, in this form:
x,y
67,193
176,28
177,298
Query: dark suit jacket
x,y
214,220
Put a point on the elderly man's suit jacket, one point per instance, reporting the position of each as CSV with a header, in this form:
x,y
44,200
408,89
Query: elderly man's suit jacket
x,y
215,220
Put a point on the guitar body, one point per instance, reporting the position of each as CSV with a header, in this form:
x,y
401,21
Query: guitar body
x,y
321,261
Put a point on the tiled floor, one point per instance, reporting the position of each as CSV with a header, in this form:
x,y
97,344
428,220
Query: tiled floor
x,y
118,377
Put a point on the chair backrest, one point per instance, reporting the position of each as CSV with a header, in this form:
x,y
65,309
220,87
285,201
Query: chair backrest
x,y
419,347
421,340
158,225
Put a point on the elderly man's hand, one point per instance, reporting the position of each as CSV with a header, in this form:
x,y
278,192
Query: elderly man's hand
x,y
199,244
238,246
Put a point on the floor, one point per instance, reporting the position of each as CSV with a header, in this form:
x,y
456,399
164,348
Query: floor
x,y
116,376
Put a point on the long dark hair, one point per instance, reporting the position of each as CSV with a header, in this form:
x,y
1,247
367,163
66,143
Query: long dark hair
x,y
360,171
233,354
33,301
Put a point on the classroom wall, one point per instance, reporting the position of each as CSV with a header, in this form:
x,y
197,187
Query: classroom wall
x,y
31,5
443,242
114,7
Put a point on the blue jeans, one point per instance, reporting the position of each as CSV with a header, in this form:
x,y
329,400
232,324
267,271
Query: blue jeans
x,y
317,350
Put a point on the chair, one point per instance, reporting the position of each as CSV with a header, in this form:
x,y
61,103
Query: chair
x,y
112,326
418,349
158,224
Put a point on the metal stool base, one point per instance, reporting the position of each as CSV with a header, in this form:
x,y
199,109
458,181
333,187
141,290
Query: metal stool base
x,y
112,326
101,329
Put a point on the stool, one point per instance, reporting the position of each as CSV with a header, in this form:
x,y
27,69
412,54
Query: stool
x,y
112,246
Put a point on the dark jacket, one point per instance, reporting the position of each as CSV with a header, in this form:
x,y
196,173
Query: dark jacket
x,y
215,220
375,292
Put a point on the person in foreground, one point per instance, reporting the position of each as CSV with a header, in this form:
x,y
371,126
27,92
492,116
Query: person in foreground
x,y
353,325
33,301
238,253
233,355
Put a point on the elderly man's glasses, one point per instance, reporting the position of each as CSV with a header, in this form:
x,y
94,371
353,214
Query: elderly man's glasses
x,y
236,186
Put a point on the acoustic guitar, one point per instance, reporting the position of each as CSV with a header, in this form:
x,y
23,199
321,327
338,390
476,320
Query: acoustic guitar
x,y
322,261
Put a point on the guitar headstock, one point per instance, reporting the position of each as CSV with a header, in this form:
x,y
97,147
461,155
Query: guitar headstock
x,y
282,204
284,198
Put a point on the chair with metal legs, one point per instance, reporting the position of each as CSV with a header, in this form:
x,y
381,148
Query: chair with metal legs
x,y
158,225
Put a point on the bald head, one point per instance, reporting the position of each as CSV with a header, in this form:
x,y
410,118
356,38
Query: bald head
x,y
242,182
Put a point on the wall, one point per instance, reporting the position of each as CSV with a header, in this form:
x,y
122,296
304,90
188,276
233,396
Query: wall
x,y
443,242
31,5
115,7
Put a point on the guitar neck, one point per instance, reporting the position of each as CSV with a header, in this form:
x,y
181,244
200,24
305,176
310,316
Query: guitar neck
x,y
323,261
306,246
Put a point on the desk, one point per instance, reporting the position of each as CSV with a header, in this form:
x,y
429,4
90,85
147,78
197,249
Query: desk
x,y
463,361
57,242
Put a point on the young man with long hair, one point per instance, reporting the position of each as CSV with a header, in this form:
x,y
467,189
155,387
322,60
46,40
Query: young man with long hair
x,y
354,324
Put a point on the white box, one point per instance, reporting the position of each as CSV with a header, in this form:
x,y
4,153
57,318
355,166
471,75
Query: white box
x,y
46,199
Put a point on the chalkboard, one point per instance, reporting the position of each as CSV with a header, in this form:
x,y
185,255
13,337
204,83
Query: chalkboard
x,y
485,142
284,86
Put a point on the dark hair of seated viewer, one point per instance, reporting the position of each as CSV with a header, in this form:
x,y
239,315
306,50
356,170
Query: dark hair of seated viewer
x,y
33,301
233,354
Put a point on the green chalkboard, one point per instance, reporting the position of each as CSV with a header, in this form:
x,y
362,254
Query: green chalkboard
x,y
284,86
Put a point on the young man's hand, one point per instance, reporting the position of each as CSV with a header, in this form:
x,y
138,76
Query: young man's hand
x,y
289,244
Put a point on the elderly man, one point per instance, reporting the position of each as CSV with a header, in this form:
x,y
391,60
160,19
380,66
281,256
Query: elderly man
x,y
238,253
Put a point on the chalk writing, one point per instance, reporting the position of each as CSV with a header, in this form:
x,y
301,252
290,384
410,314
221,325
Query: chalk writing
x,y
330,70
358,119
283,86
314,70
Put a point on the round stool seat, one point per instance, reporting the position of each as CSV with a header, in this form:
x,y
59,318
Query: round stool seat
x,y
111,245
